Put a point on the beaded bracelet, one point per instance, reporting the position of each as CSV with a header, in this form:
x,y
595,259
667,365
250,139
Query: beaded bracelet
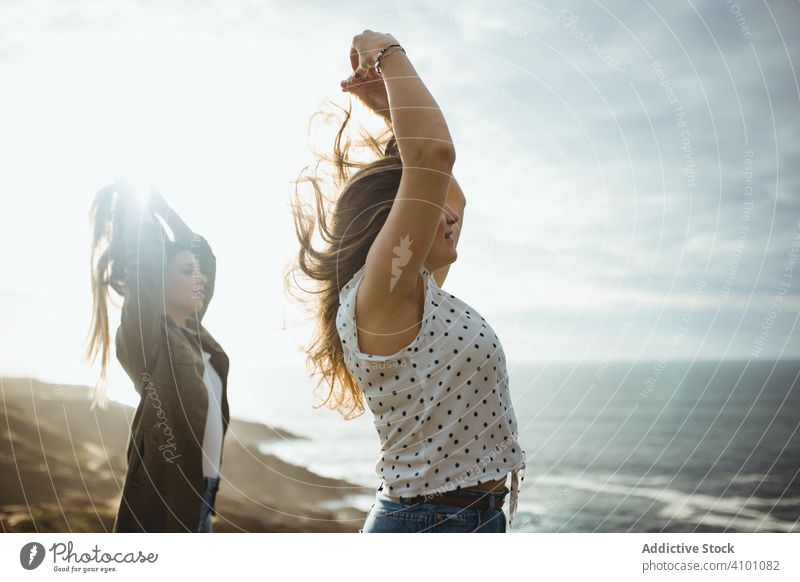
x,y
381,53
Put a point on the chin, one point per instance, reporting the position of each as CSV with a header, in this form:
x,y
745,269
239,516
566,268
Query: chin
x,y
446,261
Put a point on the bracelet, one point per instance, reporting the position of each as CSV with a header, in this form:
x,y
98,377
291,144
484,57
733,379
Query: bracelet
x,y
381,53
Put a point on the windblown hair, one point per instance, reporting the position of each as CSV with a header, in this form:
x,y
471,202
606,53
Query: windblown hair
x,y
347,225
108,270
108,254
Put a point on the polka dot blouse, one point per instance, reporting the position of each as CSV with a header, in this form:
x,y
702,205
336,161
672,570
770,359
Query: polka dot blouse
x,y
441,404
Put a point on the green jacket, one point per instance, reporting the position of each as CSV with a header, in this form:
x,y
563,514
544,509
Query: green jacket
x,y
163,489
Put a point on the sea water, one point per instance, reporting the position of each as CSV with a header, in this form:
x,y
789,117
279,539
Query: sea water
x,y
641,447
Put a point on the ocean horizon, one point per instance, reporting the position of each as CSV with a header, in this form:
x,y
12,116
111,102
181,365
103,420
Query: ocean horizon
x,y
672,446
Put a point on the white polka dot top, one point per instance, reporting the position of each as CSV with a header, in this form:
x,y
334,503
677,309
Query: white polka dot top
x,y
441,404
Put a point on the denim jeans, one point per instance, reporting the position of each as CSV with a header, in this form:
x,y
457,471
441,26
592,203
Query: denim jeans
x,y
211,486
405,516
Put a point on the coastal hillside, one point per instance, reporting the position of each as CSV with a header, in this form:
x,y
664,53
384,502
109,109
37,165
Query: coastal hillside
x,y
62,467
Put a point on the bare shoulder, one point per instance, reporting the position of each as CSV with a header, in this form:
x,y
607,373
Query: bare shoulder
x,y
384,326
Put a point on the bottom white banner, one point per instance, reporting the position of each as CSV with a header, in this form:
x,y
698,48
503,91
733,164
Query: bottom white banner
x,y
737,556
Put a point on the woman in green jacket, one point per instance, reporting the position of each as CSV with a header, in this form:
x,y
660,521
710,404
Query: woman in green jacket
x,y
178,369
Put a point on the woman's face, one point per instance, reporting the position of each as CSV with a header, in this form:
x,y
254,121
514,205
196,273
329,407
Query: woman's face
x,y
443,250
185,284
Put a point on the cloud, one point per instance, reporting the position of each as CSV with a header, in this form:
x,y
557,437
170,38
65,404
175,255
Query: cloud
x,y
583,181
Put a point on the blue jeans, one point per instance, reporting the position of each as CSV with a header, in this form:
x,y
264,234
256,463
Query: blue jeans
x,y
431,517
210,487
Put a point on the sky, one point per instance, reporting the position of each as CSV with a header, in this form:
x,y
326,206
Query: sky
x,y
631,169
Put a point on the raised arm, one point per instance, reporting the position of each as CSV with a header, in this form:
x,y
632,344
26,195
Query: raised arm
x,y
140,332
198,245
428,155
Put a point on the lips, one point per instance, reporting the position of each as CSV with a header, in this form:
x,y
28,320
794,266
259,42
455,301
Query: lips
x,y
448,235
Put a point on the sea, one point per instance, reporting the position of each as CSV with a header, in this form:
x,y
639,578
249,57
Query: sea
x,y
667,446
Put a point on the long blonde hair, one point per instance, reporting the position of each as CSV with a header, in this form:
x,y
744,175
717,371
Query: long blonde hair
x,y
107,217
107,270
348,225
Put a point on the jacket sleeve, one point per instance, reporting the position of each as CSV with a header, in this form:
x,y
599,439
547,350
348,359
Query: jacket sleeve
x,y
142,309
208,267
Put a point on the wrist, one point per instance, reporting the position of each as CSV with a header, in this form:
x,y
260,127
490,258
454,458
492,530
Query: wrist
x,y
386,53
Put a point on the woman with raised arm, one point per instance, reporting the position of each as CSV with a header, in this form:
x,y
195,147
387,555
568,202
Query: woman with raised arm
x,y
178,369
428,366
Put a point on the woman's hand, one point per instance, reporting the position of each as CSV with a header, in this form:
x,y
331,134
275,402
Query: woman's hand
x,y
370,90
130,205
365,49
365,82
133,196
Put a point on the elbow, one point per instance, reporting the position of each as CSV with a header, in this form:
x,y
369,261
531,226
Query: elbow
x,y
445,153
438,155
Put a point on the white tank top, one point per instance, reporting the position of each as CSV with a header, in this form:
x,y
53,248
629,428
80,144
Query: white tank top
x,y
441,405
212,438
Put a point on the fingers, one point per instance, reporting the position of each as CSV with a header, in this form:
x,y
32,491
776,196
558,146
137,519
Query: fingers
x,y
361,80
348,83
366,61
361,60
363,53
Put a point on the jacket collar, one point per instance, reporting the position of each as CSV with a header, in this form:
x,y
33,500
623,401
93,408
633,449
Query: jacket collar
x,y
196,332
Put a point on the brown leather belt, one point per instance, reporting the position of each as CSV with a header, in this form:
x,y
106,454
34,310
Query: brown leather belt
x,y
493,497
